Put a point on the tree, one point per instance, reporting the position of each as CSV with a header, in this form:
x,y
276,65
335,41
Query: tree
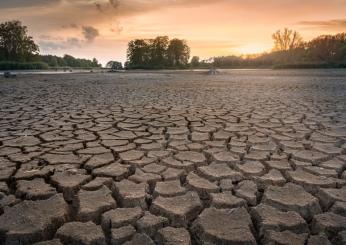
x,y
15,44
114,65
328,48
95,63
195,61
158,51
138,53
286,40
178,53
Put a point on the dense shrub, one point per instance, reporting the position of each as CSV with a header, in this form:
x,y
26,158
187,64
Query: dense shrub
x,y
11,65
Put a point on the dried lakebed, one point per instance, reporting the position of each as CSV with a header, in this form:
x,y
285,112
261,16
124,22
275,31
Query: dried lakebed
x,y
244,157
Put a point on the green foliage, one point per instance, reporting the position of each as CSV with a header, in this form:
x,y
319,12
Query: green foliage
x,y
68,61
12,65
194,61
328,51
178,53
158,53
15,44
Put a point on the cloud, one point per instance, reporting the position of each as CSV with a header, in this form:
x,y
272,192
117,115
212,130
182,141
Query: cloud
x,y
25,3
90,33
114,3
325,24
58,43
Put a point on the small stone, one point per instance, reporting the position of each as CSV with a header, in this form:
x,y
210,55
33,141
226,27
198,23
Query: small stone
x,y
273,177
224,226
94,150
131,155
97,183
292,197
122,234
169,189
311,182
149,224
220,171
34,189
23,141
116,171
203,186
141,177
339,208
173,173
99,161
130,194
328,196
284,238
64,158
50,242
341,238
226,200
173,236
141,239
4,188
329,223
252,168
173,163
81,233
93,203
33,221
69,183
282,165
321,171
226,185
225,157
313,157
179,210
247,190
154,168
269,218
320,239
256,156
191,156
120,217
335,164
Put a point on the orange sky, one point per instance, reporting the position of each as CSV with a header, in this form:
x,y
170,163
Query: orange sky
x,y
102,28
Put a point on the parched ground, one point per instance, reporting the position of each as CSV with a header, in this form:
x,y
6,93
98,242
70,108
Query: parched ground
x,y
243,157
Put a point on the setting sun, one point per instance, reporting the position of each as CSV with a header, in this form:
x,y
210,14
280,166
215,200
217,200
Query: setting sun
x,y
252,48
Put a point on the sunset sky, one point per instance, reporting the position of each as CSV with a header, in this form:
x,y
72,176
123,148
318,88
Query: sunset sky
x,y
102,28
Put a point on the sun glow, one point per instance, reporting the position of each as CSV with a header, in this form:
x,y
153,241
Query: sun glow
x,y
252,48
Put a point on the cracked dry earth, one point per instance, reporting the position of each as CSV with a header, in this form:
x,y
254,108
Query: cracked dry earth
x,y
245,157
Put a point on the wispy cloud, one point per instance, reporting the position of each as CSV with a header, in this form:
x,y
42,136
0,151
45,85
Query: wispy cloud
x,y
58,43
4,4
323,24
90,33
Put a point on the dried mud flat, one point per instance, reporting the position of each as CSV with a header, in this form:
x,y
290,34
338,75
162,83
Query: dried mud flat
x,y
249,157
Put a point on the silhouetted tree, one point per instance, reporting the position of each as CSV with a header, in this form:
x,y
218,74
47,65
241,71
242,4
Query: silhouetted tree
x,y
327,48
138,53
286,40
114,65
15,44
178,53
158,51
195,61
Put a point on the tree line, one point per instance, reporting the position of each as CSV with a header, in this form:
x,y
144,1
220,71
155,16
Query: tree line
x,y
290,51
157,53
19,51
